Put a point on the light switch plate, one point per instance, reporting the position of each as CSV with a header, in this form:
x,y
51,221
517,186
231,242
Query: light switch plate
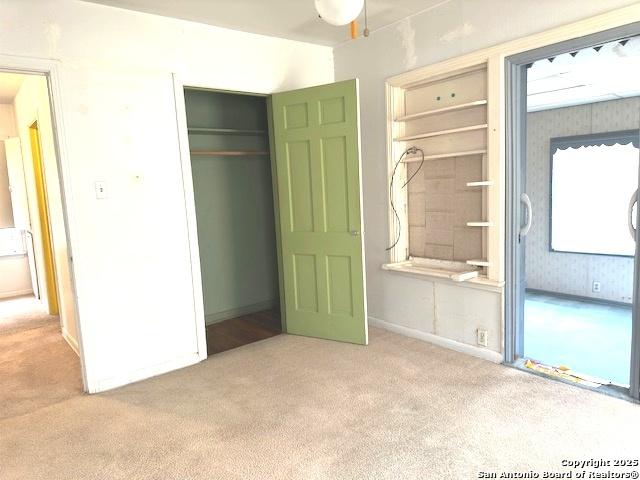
x,y
101,190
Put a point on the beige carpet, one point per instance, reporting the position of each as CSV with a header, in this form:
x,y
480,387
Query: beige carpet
x,y
37,366
23,313
299,408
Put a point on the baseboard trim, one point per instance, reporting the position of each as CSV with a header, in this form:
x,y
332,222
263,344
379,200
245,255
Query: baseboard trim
x,y
71,341
16,293
238,312
143,373
581,298
472,350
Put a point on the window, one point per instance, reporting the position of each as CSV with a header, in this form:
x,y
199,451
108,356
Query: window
x,y
593,178
11,242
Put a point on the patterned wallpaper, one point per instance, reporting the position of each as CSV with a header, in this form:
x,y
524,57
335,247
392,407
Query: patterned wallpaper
x,y
568,272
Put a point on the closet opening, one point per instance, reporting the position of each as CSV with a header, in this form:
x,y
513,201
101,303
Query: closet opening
x,y
235,215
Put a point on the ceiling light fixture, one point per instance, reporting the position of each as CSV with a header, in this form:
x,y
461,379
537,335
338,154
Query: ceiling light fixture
x,y
339,12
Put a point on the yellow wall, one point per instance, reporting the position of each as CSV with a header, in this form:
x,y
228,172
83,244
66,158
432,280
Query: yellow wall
x,y
32,104
45,240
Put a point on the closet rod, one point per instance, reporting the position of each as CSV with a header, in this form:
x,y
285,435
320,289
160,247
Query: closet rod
x,y
228,153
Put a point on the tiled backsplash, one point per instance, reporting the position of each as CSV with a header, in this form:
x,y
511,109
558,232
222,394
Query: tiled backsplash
x,y
441,204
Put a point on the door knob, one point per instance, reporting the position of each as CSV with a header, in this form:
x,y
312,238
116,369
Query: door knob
x,y
632,201
355,233
524,230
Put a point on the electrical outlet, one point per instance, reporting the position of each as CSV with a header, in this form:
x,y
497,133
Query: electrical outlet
x,y
483,337
596,287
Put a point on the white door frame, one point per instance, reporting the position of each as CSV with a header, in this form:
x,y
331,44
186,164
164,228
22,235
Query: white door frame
x,y
190,212
515,135
50,70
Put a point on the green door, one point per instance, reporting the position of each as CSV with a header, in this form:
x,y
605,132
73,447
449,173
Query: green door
x,y
316,140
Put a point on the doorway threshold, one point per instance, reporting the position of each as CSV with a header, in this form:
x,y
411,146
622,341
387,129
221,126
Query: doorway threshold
x,y
581,381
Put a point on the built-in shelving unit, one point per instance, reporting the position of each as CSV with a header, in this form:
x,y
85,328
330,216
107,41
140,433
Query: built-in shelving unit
x,y
446,202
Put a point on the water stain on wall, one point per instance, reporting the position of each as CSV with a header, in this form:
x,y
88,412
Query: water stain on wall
x,y
52,35
408,38
457,33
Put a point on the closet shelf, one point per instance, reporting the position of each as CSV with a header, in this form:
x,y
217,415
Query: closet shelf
x,y
453,108
225,131
228,153
470,128
418,158
478,224
478,263
483,183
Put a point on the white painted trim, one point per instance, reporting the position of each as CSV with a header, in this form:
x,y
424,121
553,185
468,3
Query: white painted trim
x,y
16,293
190,212
238,312
49,68
494,161
145,373
478,283
361,225
472,350
71,341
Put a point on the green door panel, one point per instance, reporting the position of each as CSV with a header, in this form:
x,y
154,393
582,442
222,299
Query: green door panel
x,y
316,142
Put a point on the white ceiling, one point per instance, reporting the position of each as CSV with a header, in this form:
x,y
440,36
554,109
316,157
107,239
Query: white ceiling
x,y
589,76
292,19
9,86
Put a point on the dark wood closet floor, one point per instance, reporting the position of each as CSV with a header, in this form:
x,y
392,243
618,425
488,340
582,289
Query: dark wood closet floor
x,y
239,331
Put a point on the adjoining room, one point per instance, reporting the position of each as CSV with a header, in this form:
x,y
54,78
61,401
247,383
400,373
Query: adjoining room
x,y
39,353
581,182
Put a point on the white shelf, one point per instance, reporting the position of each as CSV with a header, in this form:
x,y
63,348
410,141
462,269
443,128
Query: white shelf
x,y
470,128
418,158
453,108
483,183
478,224
406,268
478,263
436,268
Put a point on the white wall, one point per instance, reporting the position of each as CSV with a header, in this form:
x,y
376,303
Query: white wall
x,y
14,270
130,251
570,272
446,31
